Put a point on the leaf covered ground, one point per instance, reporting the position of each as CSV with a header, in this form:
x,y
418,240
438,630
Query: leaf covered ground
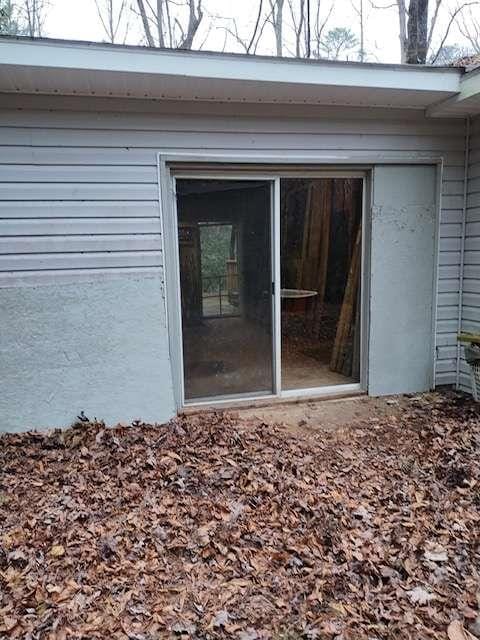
x,y
213,527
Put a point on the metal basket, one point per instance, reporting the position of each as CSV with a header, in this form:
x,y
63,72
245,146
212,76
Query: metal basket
x,y
475,373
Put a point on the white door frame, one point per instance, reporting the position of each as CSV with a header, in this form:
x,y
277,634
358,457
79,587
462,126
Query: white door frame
x,y
172,165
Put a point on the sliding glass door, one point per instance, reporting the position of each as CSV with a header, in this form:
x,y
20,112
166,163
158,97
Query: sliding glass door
x,y
225,258
270,282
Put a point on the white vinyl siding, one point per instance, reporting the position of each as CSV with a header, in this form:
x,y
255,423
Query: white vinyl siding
x,y
79,194
471,275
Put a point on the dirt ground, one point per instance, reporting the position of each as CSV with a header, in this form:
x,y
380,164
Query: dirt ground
x,y
342,520
330,414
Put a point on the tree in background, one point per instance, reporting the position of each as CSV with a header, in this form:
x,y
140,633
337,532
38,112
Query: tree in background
x,y
448,54
23,17
339,42
417,32
469,26
8,19
418,26
114,16
33,14
170,23
276,20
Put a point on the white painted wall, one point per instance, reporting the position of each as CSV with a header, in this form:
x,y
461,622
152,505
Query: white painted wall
x,y
79,198
471,279
403,256
97,345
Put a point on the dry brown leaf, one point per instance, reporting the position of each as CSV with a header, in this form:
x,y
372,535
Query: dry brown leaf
x,y
456,631
57,551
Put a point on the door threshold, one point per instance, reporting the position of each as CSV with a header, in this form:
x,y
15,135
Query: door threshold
x,y
287,398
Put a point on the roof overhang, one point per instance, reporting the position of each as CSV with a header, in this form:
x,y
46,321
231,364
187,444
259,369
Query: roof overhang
x,y
465,103
41,66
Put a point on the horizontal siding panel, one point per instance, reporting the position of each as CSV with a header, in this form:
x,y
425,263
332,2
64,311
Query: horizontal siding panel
x,y
81,260
449,272
471,257
451,258
450,230
41,191
223,140
474,156
218,123
447,326
472,244
471,299
65,173
72,276
88,226
473,200
452,202
473,214
447,313
454,173
446,339
471,271
444,379
72,155
453,216
470,326
473,229
452,187
471,285
447,353
47,210
74,244
448,299
471,314
446,366
474,171
473,184
448,286
450,244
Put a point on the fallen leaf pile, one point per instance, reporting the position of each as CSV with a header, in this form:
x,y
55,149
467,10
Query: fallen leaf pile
x,y
212,527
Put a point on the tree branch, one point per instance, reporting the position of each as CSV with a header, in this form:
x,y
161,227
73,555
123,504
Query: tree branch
x,y
453,17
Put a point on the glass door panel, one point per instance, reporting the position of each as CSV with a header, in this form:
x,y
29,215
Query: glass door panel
x,y
321,227
225,256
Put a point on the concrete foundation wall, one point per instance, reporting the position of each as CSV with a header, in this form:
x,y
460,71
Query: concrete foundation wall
x,y
98,346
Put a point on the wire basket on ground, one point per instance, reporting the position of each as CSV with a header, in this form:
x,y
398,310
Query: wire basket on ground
x,y
475,373
472,356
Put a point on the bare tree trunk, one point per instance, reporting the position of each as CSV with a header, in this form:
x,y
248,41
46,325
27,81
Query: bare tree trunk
x,y
161,37
277,22
31,13
319,27
433,23
194,19
112,14
298,26
146,24
417,31
257,23
362,34
402,22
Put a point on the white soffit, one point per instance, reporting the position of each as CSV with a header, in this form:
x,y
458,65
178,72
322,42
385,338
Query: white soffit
x,y
73,68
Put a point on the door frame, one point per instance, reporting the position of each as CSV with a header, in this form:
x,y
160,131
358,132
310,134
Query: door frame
x,y
198,164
